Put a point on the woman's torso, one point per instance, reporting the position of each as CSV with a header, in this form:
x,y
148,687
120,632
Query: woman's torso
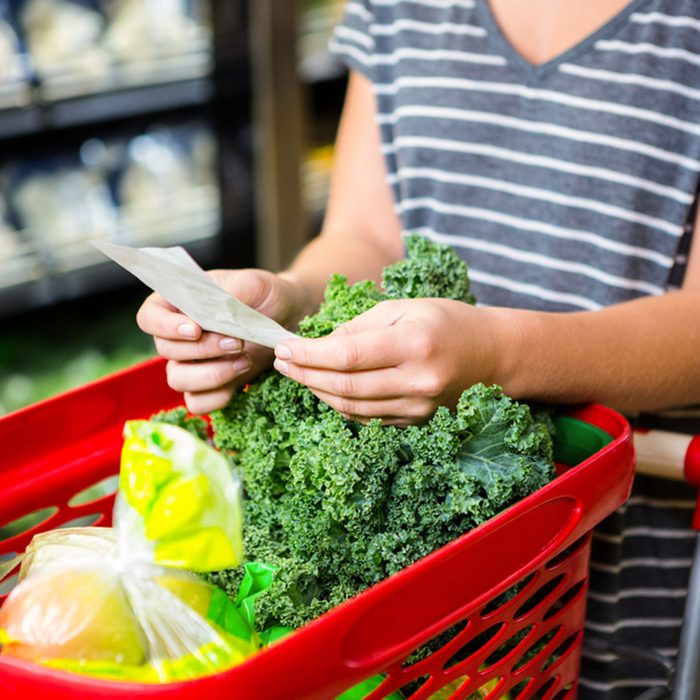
x,y
567,186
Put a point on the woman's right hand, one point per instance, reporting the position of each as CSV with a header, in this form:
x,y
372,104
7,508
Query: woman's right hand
x,y
208,367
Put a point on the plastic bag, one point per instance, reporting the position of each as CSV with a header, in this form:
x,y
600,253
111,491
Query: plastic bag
x,y
123,602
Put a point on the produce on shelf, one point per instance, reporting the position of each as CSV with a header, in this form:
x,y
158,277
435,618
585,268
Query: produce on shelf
x,y
123,602
60,203
174,171
81,46
13,68
338,505
140,30
158,187
64,36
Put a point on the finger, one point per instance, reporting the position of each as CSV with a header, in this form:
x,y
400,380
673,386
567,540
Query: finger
x,y
399,411
209,375
384,383
373,349
206,401
208,346
199,403
160,318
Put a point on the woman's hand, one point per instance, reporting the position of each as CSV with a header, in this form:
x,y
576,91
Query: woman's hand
x,y
398,361
209,367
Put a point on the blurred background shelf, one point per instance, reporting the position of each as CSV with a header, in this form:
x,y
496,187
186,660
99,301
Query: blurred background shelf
x,y
125,120
317,19
201,123
18,121
114,104
122,120
124,101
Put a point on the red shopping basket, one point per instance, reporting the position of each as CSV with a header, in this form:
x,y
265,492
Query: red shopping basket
x,y
499,609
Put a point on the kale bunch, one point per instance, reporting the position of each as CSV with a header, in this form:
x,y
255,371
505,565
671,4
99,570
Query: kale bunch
x,y
428,270
339,505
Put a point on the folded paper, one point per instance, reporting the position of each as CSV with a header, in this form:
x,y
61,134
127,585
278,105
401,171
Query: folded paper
x,y
176,277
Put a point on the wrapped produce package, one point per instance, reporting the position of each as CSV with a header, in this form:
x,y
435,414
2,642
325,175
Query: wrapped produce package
x,y
123,602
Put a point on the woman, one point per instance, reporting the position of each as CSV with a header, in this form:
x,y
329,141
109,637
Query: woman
x,y
556,146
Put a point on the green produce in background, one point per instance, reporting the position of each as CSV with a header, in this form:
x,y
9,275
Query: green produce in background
x,y
52,350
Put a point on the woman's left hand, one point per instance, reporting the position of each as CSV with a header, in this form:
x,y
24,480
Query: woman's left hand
x,y
398,361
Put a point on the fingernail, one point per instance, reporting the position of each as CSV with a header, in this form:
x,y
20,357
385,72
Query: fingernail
x,y
283,352
229,344
187,330
242,364
281,366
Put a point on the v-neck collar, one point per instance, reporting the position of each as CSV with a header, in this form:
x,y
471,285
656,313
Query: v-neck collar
x,y
533,72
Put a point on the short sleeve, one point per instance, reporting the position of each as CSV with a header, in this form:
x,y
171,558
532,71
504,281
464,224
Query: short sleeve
x,y
352,41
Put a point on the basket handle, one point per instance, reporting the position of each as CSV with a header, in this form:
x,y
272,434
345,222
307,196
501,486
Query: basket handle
x,y
666,454
670,456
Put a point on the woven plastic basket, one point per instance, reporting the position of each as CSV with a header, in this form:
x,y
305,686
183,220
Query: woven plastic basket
x,y
500,609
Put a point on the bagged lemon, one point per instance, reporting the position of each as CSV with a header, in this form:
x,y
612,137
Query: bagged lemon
x,y
122,602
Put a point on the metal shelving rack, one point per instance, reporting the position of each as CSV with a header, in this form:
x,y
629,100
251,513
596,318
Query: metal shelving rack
x,y
258,93
212,86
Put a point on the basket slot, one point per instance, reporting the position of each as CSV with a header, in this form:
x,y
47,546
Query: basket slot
x,y
509,641
538,597
95,492
537,651
516,592
512,647
480,643
569,598
449,639
31,522
61,477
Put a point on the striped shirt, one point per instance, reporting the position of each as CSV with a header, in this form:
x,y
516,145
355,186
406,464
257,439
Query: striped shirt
x,y
565,186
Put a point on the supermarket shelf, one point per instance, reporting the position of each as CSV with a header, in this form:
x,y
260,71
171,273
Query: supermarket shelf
x,y
77,269
15,94
19,121
81,282
105,106
127,102
185,63
320,67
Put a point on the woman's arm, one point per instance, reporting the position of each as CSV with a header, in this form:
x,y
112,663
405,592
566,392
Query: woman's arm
x,y
361,231
402,359
637,356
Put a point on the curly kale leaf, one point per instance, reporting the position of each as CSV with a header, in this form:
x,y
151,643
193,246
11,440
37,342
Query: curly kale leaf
x,y
429,270
341,303
181,417
338,505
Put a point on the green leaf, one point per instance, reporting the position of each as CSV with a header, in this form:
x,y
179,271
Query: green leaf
x,y
363,689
